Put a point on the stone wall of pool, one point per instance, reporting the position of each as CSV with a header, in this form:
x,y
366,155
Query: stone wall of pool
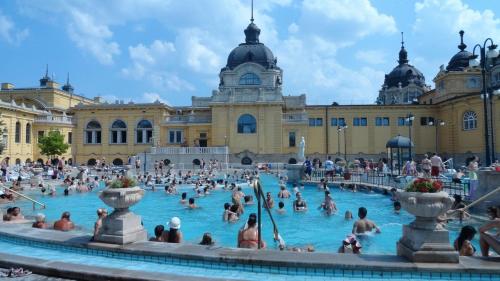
x,y
262,261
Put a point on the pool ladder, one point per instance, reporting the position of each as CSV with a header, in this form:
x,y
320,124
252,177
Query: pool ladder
x,y
26,197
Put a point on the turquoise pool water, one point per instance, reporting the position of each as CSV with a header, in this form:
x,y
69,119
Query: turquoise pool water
x,y
219,270
325,233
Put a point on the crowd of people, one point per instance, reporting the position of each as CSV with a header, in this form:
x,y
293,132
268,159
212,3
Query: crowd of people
x,y
206,180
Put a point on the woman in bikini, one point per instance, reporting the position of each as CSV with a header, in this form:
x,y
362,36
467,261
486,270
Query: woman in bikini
x,y
248,236
487,239
299,205
463,243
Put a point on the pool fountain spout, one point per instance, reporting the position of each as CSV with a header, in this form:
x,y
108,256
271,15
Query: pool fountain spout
x,y
122,226
425,239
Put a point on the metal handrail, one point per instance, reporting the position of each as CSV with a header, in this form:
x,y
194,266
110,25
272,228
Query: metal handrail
x,y
25,197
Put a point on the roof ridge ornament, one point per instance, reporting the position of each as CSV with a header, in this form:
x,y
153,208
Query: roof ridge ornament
x,y
462,46
251,18
252,32
403,55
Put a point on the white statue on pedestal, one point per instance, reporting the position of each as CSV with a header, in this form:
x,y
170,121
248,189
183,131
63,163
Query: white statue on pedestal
x,y
300,153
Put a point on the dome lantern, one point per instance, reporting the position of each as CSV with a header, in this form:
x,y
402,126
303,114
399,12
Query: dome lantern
x,y
460,60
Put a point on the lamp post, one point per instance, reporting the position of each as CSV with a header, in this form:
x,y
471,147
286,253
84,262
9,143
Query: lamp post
x,y
484,56
409,119
340,129
437,124
338,140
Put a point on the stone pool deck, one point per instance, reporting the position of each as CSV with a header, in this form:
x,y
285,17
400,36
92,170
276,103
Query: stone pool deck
x,y
271,261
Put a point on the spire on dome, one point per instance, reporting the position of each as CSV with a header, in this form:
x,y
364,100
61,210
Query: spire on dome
x,y
67,87
462,46
403,55
252,32
251,18
46,78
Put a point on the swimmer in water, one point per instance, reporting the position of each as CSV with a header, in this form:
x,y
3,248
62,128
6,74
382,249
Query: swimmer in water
x,y
183,200
299,205
364,225
281,208
397,207
191,204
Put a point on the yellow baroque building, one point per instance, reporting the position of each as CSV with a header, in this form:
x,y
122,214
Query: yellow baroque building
x,y
249,117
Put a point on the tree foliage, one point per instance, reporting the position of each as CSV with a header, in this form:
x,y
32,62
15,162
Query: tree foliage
x,y
52,144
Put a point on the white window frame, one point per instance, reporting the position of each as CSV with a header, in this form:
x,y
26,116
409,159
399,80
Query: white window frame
x,y
469,121
177,140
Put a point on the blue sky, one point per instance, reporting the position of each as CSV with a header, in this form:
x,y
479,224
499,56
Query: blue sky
x,y
332,50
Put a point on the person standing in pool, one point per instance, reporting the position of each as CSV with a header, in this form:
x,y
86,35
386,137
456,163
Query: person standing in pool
x,y
101,214
283,193
65,223
174,235
248,235
299,205
364,225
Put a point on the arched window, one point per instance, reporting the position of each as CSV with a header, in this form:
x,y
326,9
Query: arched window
x,y
470,120
118,162
249,79
91,162
246,160
17,136
93,133
144,132
247,124
28,133
118,132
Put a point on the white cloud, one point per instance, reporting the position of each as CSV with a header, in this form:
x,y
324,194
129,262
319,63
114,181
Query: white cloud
x,y
293,28
9,32
92,36
150,63
197,51
359,16
371,56
449,16
153,97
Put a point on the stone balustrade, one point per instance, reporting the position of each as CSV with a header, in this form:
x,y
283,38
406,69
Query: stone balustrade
x,y
190,150
54,119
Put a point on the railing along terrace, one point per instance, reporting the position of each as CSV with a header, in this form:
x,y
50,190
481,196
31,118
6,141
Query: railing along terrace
x,y
295,117
193,118
190,150
54,119
376,178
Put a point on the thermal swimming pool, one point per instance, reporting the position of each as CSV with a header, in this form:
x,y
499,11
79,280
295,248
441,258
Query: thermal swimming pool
x,y
325,233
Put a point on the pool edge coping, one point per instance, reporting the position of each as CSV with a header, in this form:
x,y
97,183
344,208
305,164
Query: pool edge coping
x,y
269,258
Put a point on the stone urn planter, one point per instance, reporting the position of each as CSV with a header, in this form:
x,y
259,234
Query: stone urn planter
x,y
122,226
425,239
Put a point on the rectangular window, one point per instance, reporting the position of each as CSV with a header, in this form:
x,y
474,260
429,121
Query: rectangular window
x,y
175,136
88,137
70,137
334,122
114,136
124,136
401,121
359,121
364,121
315,122
139,136
291,139
98,137
382,121
426,121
